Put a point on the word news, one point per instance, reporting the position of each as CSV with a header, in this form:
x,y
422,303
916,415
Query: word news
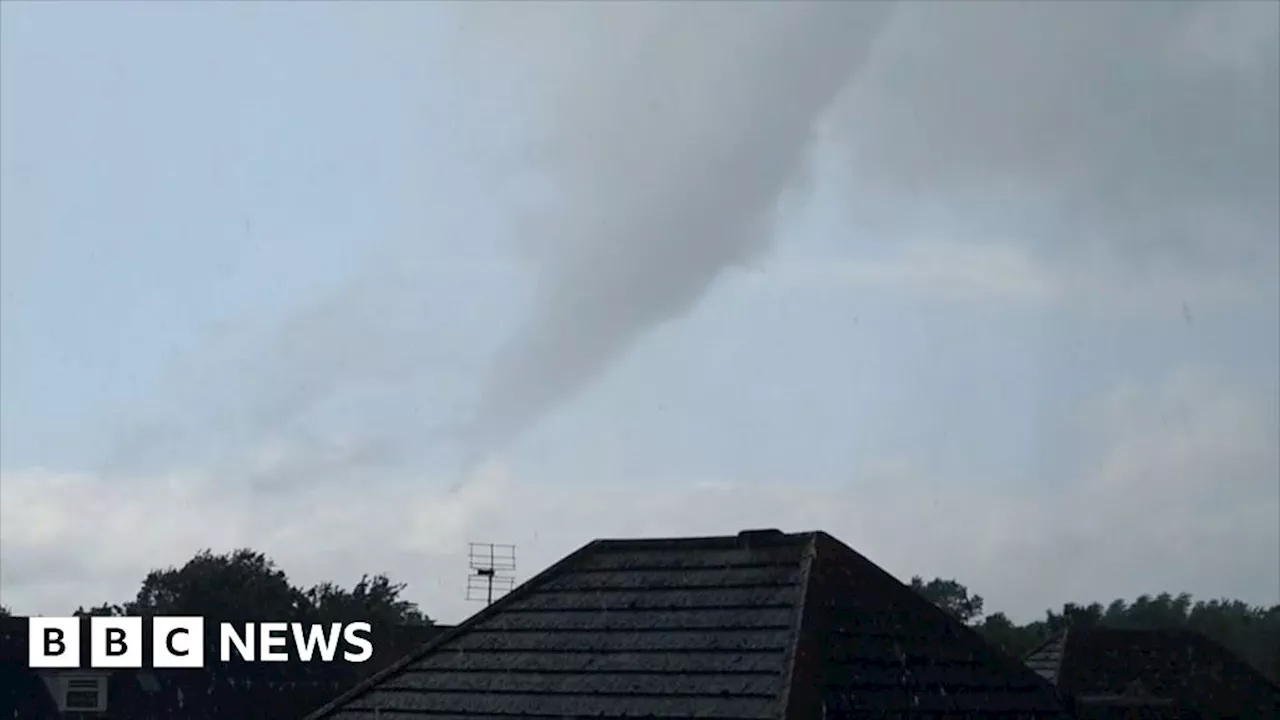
x,y
179,642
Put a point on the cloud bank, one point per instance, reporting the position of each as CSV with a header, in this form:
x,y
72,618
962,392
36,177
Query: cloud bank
x,y
1141,519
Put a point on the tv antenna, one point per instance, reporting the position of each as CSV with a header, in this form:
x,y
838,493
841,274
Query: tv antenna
x,y
493,567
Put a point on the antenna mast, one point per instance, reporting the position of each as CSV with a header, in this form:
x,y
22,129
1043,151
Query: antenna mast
x,y
492,567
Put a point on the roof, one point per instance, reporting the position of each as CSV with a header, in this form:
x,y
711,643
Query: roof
x,y
758,625
1046,660
1178,668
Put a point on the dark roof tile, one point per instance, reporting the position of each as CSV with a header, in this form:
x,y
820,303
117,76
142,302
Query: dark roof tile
x,y
622,619
567,705
743,598
595,683
495,637
703,663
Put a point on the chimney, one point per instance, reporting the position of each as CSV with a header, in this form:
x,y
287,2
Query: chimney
x,y
747,538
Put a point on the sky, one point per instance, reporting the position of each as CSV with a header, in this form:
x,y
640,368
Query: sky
x,y
988,292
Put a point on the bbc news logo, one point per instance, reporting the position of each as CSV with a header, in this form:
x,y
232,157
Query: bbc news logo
x,y
179,642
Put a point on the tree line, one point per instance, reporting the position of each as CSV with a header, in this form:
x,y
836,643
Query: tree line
x,y
245,585
1252,632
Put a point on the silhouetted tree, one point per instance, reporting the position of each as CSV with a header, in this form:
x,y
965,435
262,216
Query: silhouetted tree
x,y
1073,616
103,610
951,596
374,599
1016,640
1251,632
245,585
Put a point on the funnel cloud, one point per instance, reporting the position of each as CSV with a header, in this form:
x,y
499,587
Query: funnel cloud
x,y
669,133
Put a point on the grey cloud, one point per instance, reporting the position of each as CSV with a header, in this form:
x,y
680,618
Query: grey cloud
x,y
372,358
1148,130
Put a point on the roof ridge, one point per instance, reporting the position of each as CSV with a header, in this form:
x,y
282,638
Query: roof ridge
x,y
1059,636
1062,655
707,541
798,622
524,589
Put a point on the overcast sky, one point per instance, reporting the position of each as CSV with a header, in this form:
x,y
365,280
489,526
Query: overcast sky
x,y
986,291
